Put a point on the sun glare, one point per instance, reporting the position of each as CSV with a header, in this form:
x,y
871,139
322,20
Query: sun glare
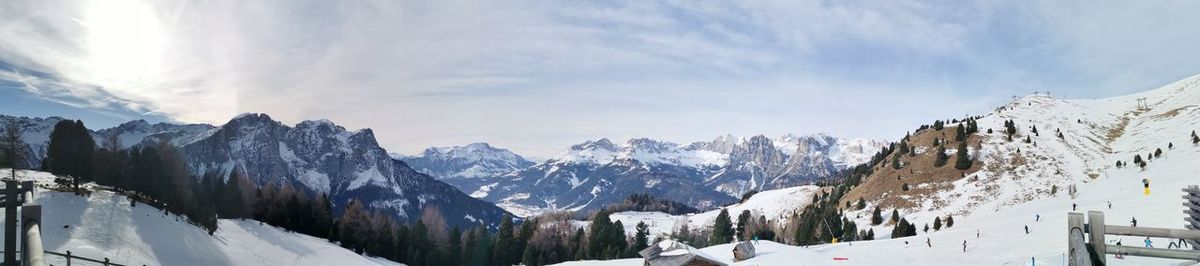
x,y
125,42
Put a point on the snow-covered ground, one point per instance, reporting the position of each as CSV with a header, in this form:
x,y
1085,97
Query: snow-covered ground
x,y
773,204
991,213
104,225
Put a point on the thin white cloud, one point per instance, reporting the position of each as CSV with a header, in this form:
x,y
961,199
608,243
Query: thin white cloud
x,y
538,75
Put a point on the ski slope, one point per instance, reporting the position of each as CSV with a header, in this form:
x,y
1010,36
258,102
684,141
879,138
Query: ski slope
x,y
991,212
104,225
775,205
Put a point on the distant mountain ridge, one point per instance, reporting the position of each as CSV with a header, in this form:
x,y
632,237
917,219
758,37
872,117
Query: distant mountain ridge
x,y
316,155
466,166
705,174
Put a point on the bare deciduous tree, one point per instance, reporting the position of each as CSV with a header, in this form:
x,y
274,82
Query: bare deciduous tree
x,y
11,147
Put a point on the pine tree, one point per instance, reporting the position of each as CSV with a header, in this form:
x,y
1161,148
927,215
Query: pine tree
x,y
876,219
455,246
902,229
940,156
937,223
895,215
862,204
960,133
1158,152
1195,139
870,234
962,160
722,231
926,228
641,238
896,161
743,221
70,151
1035,131
949,221
504,246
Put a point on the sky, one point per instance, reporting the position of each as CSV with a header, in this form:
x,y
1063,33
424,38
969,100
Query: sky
x,y
538,76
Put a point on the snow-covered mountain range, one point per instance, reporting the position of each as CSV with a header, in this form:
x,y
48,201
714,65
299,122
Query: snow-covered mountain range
x,y
595,173
317,155
35,132
468,166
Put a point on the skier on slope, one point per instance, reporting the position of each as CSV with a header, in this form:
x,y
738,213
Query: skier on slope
x,y
1109,204
1133,221
1148,243
964,246
1037,217
1073,205
1026,229
928,242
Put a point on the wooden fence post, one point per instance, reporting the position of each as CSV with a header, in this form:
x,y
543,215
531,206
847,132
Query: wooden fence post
x,y
1077,246
1096,229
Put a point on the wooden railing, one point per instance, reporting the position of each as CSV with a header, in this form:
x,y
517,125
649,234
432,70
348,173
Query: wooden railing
x,y
71,257
1093,249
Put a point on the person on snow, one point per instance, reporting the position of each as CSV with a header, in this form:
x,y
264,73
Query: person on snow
x,y
1073,206
976,233
1026,229
1109,204
1037,217
928,242
964,246
1148,243
1133,221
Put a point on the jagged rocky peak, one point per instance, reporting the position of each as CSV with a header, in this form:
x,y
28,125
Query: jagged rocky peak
x,y
472,152
722,144
600,144
649,146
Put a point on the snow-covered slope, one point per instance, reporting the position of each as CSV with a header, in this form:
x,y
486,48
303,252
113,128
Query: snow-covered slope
x,y
104,225
703,174
774,205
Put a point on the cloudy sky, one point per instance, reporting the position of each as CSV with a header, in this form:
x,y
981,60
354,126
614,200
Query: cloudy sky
x,y
537,76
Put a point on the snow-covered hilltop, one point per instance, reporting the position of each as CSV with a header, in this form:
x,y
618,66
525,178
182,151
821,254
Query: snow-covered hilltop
x,y
704,174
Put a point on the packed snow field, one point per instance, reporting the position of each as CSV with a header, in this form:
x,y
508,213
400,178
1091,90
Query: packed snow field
x,y
991,213
103,225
